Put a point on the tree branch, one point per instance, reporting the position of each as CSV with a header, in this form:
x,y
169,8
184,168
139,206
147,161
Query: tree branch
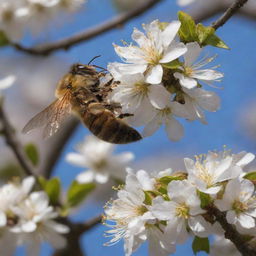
x,y
231,233
66,43
229,13
58,145
76,230
14,144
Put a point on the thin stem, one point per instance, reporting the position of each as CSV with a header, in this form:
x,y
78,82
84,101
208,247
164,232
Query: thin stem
x,y
228,13
231,233
12,141
69,42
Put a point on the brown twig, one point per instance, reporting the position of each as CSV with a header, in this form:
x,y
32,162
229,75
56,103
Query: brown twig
x,y
76,230
14,144
66,43
228,13
231,233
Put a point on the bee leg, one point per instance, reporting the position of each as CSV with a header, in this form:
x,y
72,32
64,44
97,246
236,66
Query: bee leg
x,y
123,115
113,106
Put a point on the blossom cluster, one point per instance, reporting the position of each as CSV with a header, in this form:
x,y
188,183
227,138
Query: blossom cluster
x,y
161,79
16,16
167,208
97,156
26,218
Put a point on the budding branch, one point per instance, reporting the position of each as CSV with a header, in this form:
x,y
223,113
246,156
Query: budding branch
x,y
231,233
12,141
66,43
229,13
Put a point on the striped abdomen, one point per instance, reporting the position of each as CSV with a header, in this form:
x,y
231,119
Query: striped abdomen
x,y
103,124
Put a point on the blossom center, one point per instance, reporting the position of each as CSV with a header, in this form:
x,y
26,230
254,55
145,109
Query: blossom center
x,y
188,71
182,211
166,111
203,174
141,88
239,206
152,55
99,165
140,210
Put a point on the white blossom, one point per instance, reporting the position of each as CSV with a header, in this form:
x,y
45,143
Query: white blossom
x,y
197,100
18,16
185,2
208,171
239,200
133,222
96,155
133,91
190,72
155,48
11,195
36,224
7,81
181,211
166,116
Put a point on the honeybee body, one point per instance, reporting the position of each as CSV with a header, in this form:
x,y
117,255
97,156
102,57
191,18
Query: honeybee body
x,y
80,91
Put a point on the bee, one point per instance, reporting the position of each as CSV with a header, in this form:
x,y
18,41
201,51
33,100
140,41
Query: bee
x,y
80,92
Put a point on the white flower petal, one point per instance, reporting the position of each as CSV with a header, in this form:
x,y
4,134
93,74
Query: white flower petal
x,y
174,51
3,219
186,81
152,126
170,32
207,74
76,159
174,129
86,177
246,159
7,82
246,221
192,54
158,96
154,75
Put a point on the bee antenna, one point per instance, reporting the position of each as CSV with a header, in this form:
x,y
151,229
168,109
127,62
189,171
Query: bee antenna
x,y
93,59
100,67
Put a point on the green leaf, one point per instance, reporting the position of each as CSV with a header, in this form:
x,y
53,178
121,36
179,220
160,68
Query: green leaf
x,y
177,176
207,36
200,244
148,198
205,199
250,176
77,193
52,187
187,31
42,181
175,64
203,33
3,39
32,153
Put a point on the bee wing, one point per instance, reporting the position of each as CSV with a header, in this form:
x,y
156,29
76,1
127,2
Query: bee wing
x,y
51,117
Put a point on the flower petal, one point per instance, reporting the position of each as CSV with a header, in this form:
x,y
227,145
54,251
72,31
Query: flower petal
x,y
192,54
174,129
154,75
174,51
158,96
186,81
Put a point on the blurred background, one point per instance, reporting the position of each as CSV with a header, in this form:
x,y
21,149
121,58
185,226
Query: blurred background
x,y
234,125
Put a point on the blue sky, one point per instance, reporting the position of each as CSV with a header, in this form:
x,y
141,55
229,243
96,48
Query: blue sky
x,y
224,128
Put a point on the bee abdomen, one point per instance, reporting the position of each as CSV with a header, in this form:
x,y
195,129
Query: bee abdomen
x,y
103,124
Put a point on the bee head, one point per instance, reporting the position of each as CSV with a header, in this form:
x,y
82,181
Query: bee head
x,y
83,70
